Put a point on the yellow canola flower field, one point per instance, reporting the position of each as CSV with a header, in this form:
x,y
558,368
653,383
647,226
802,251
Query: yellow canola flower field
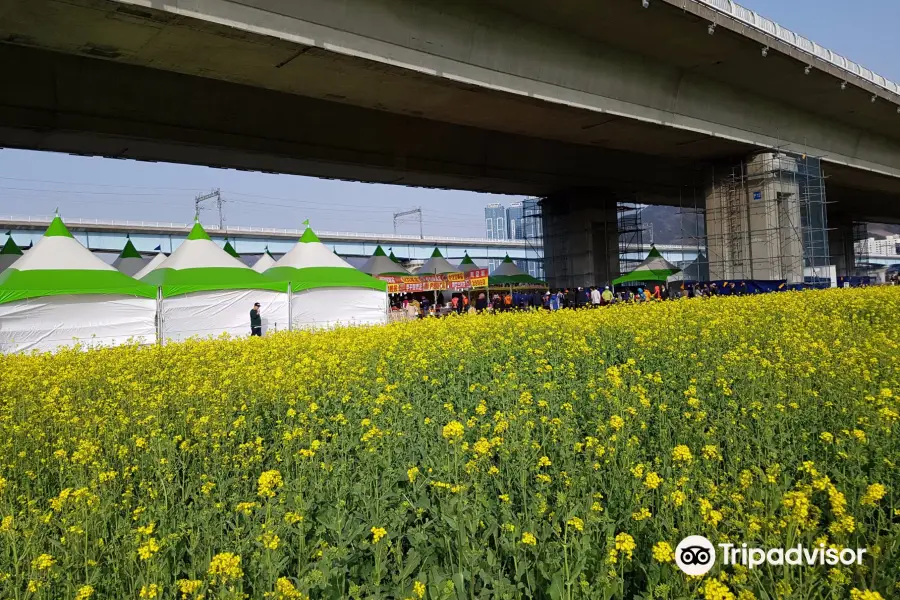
x,y
529,455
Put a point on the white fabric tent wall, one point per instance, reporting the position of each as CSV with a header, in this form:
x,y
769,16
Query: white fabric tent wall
x,y
52,322
332,307
212,313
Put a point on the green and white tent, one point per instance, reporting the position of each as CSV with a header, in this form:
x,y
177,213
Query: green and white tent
x,y
467,265
697,270
654,270
265,262
509,273
129,260
230,249
207,292
381,264
60,294
9,254
154,262
437,265
327,290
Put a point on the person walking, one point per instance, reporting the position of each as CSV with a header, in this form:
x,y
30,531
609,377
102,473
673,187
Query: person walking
x,y
606,296
595,297
481,303
255,321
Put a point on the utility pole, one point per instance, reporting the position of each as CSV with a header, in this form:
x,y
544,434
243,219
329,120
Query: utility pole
x,y
217,194
407,213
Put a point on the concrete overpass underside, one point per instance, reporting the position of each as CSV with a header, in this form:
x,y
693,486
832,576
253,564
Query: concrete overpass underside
x,y
603,100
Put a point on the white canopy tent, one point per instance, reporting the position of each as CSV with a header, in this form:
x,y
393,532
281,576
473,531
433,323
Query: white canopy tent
x,y
129,260
381,264
59,295
9,254
437,265
265,262
326,290
154,262
207,293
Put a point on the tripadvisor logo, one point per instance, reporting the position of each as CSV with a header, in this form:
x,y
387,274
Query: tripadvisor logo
x,y
696,555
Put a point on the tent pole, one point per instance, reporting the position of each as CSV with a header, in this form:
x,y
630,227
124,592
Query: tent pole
x,y
290,297
160,329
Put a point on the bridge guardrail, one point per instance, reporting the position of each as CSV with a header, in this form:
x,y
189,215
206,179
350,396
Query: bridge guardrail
x,y
757,21
124,224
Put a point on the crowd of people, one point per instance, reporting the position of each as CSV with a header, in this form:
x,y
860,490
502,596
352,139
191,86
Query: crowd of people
x,y
428,304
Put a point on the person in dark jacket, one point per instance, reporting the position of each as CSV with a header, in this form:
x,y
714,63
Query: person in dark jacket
x,y
255,321
481,303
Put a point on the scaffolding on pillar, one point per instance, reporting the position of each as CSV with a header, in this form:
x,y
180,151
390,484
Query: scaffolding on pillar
x,y
533,229
813,219
862,249
692,240
631,235
766,220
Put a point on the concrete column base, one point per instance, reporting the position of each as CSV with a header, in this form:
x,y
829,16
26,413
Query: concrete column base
x,y
753,221
581,239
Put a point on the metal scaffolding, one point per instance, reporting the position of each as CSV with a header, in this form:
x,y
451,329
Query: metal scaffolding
x,y
631,235
692,222
862,248
766,220
533,228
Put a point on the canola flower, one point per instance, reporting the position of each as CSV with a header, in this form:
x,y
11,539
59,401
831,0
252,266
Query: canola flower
x,y
507,455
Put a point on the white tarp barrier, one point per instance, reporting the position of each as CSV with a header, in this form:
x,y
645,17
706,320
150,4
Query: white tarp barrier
x,y
53,322
332,307
212,313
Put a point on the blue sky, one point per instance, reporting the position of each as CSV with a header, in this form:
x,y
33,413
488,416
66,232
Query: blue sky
x,y
865,31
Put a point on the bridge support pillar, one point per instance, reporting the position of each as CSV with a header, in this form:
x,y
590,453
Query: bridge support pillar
x,y
840,241
581,239
753,221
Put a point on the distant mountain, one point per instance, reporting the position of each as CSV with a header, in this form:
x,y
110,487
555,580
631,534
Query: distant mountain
x,y
672,225
882,230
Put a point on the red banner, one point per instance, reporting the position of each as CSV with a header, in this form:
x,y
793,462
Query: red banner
x,y
426,283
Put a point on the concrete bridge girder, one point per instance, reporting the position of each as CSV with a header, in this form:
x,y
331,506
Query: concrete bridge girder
x,y
489,67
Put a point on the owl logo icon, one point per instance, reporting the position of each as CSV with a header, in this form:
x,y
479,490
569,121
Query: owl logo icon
x,y
695,555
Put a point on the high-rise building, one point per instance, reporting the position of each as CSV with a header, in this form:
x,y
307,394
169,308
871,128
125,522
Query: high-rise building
x,y
515,217
496,227
495,222
503,223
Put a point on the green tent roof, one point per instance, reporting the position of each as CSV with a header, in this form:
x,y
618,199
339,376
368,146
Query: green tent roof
x,y
467,260
317,277
10,247
200,265
36,275
175,282
129,251
57,229
21,285
378,251
197,232
437,254
394,258
308,236
230,249
654,269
